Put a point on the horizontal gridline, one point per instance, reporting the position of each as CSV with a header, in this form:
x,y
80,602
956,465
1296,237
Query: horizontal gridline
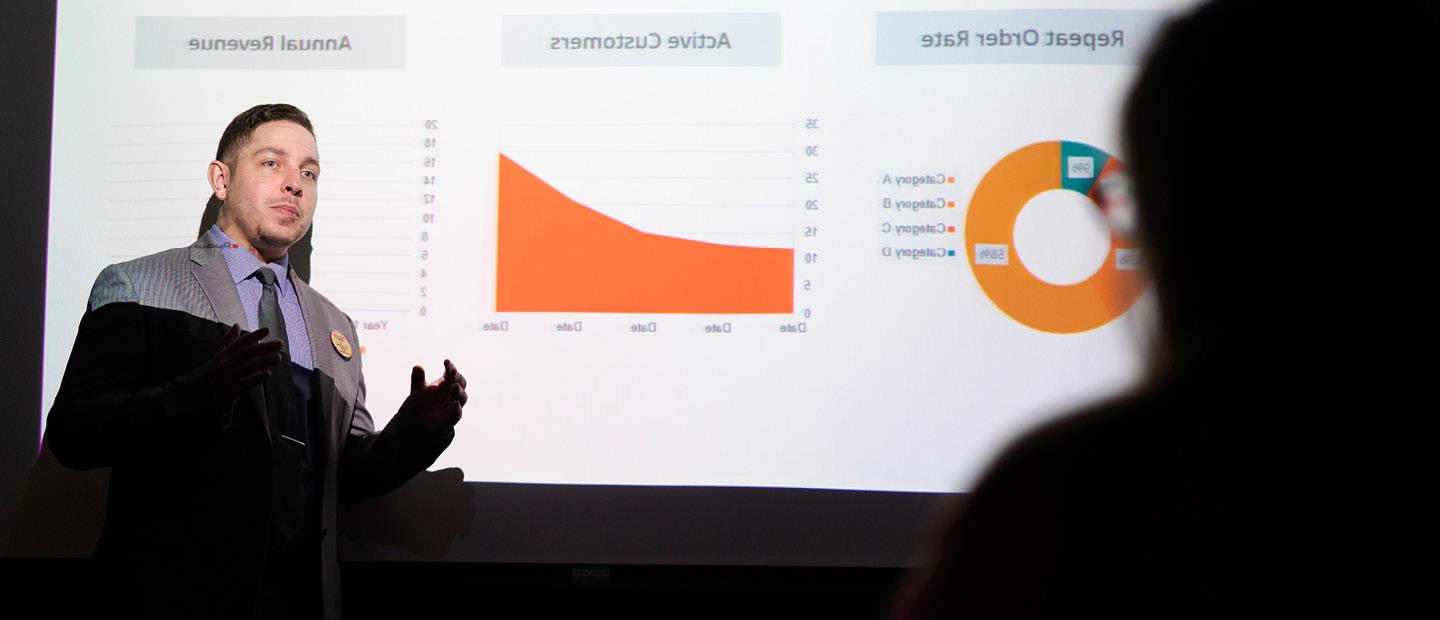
x,y
360,273
764,205
367,292
665,178
644,124
409,144
222,123
156,161
140,218
407,180
207,143
660,151
787,233
201,199
197,124
187,180
641,137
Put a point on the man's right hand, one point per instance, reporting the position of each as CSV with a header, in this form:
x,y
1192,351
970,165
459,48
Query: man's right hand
x,y
242,363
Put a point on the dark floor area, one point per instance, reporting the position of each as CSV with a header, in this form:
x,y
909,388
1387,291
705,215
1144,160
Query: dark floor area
x,y
51,588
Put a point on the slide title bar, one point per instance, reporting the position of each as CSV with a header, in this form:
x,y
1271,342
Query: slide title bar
x,y
642,40
1069,37
345,42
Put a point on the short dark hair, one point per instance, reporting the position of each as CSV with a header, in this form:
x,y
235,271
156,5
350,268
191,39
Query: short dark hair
x,y
238,133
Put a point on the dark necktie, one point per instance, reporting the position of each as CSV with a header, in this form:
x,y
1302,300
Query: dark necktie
x,y
286,446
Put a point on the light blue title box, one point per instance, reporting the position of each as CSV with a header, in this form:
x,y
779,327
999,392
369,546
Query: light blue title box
x,y
1054,37
642,40
345,42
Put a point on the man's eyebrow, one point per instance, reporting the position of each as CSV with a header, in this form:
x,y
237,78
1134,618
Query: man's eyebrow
x,y
282,152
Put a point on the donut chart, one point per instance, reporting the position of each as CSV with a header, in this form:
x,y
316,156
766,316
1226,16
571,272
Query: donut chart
x,y
990,240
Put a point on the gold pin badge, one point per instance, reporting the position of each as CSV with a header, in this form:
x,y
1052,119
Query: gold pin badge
x,y
342,346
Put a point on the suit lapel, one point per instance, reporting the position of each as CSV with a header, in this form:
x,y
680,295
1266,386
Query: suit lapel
x,y
212,274
325,388
324,356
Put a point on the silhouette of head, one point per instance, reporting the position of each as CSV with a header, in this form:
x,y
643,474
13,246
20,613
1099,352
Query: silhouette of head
x,y
1277,155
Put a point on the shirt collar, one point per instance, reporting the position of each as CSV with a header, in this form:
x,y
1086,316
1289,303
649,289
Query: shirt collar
x,y
243,264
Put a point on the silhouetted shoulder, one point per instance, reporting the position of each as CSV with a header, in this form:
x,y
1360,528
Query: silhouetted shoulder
x,y
1052,520
1180,500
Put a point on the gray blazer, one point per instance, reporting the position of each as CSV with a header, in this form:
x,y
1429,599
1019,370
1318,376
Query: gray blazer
x,y
187,515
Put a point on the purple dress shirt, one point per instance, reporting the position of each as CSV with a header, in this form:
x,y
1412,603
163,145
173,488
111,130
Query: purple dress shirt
x,y
242,266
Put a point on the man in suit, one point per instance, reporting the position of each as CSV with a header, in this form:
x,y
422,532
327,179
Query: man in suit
x,y
228,399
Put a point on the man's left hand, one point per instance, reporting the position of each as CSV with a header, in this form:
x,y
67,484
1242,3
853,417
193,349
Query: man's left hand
x,y
435,406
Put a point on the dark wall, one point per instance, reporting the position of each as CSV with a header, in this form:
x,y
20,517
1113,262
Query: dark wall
x,y
27,72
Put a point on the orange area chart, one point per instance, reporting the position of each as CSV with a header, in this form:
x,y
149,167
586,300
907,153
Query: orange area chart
x,y
558,255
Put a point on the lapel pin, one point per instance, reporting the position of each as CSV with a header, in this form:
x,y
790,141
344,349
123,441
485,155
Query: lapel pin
x,y
342,346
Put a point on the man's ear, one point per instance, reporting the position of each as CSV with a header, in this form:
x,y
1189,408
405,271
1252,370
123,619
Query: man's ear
x,y
219,175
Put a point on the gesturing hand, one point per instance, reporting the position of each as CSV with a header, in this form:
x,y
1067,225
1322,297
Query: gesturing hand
x,y
242,363
435,406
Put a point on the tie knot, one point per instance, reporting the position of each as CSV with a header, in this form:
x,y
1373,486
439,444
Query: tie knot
x,y
265,275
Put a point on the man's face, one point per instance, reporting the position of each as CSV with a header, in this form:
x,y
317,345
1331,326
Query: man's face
x,y
270,189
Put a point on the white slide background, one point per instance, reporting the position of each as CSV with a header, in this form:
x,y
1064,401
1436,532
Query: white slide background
x,y
906,378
